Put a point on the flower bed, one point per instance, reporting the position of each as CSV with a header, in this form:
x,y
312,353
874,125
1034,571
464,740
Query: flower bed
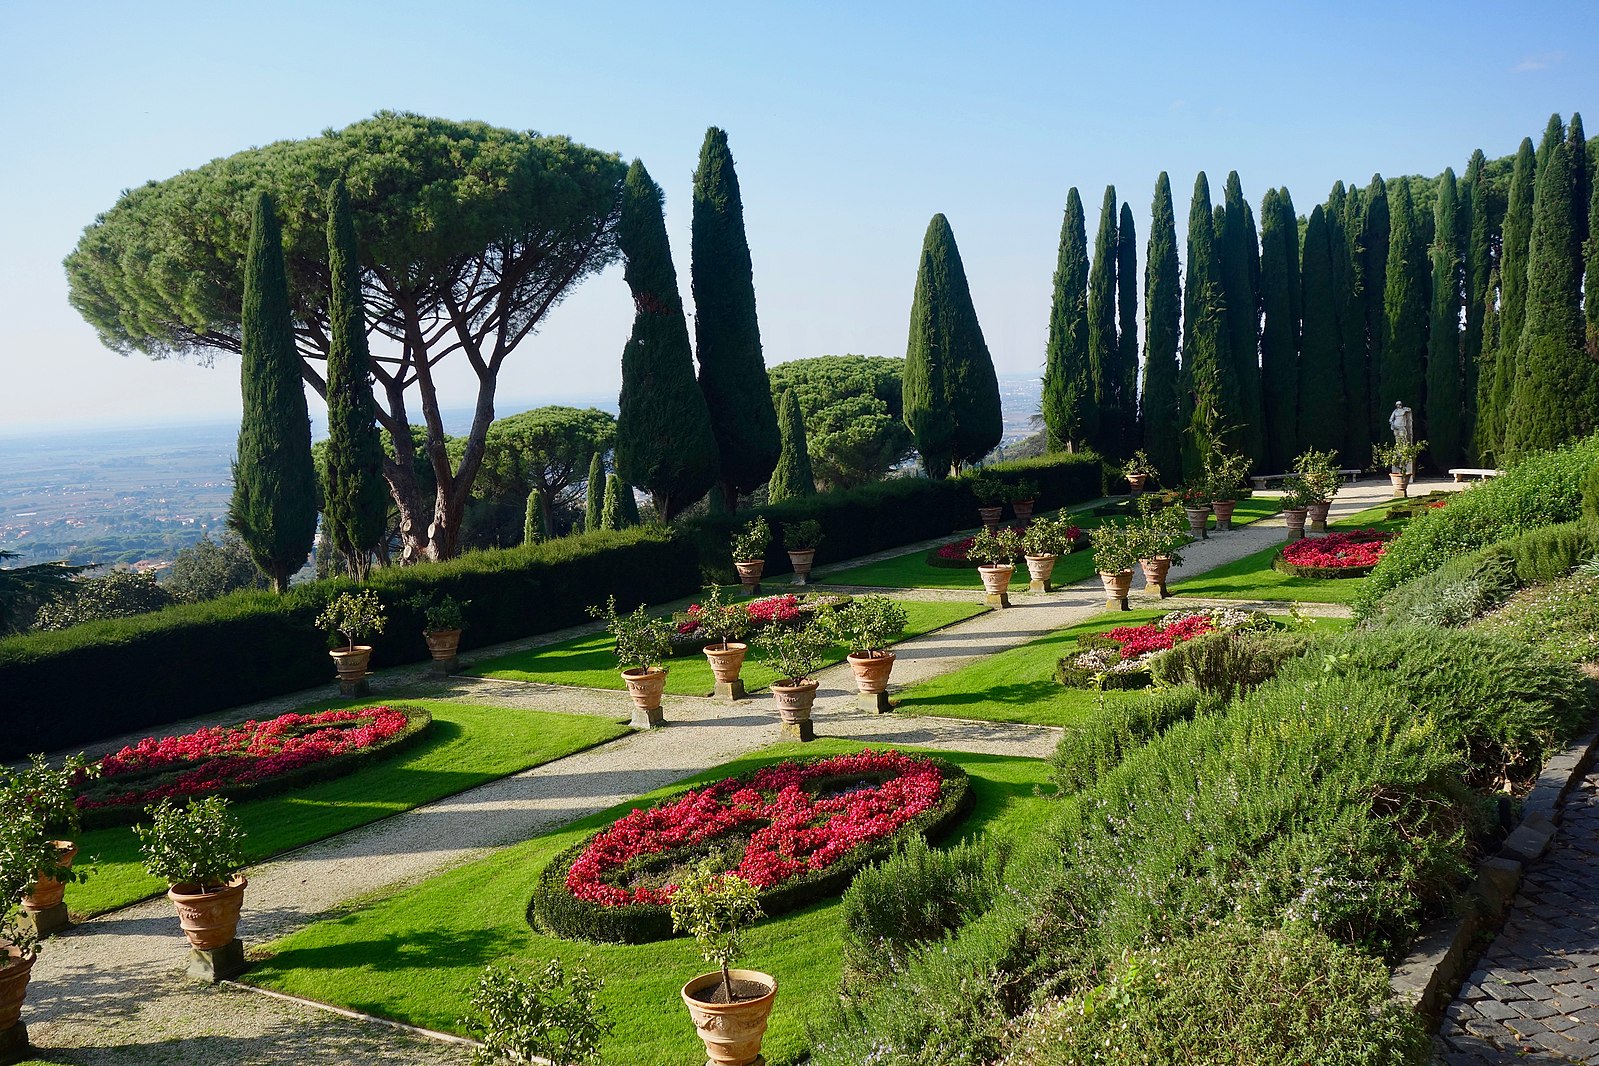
x,y
952,556
1335,555
1121,657
785,609
797,830
252,758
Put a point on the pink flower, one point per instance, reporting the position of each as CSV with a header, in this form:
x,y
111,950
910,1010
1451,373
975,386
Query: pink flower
x,y
1362,547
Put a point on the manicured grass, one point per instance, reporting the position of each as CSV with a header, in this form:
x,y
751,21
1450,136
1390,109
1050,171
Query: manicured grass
x,y
465,746
588,661
912,571
415,955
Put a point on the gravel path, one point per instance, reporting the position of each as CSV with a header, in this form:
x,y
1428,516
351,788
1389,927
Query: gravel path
x,y
111,990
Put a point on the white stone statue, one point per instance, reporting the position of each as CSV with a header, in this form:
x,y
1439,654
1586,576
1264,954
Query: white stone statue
x,y
1403,423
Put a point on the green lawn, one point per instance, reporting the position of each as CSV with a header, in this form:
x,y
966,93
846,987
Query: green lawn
x,y
911,570
465,746
588,661
414,955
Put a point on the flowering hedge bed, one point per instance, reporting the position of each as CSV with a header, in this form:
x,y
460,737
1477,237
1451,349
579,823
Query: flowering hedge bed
x,y
953,554
1335,555
1120,658
252,758
798,830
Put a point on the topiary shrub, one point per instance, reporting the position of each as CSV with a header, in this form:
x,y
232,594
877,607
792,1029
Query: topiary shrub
x,y
1227,665
1120,723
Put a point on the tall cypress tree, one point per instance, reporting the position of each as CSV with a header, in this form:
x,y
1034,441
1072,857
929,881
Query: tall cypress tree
x,y
1446,406
951,394
1590,302
1240,276
1127,323
1400,371
1374,257
611,510
629,506
1486,445
664,442
1103,346
1556,394
594,509
533,529
274,501
1350,271
1554,132
1162,321
1279,337
1516,238
1581,174
1478,262
793,477
1321,390
1209,391
727,335
355,500
1070,418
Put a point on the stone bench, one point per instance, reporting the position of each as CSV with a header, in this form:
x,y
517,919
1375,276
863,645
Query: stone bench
x,y
1265,481
1461,473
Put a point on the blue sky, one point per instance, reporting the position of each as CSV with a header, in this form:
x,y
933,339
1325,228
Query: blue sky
x,y
851,124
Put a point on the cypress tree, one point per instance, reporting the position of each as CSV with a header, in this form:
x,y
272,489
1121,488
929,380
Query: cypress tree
x,y
1590,302
355,500
1279,337
1478,263
1240,276
1487,447
611,509
1162,318
594,509
1581,174
1070,418
1321,392
274,503
664,442
533,528
1556,394
1208,390
727,335
1356,450
1554,132
1400,371
629,507
1127,321
793,477
1516,238
1445,398
1374,236
1103,346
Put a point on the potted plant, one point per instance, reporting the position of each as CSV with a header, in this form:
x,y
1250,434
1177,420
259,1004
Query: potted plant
x,y
800,540
1138,470
729,1007
1117,549
1044,541
1023,495
642,645
25,849
1165,534
749,554
1224,478
867,626
540,1015
992,494
723,624
1400,459
353,615
995,551
1317,474
1195,501
198,849
794,653
1296,500
44,797
443,619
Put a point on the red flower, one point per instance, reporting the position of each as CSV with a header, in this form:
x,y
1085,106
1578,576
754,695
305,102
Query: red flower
x,y
1137,641
1362,547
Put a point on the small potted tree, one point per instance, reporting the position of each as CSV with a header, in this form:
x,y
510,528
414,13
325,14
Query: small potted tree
x,y
642,645
794,653
24,850
45,797
729,1007
198,849
353,615
995,551
546,1015
443,618
749,554
723,624
1117,548
992,495
1296,500
1023,495
1165,534
1195,501
800,540
1044,541
1224,477
1400,459
1317,474
1138,470
867,626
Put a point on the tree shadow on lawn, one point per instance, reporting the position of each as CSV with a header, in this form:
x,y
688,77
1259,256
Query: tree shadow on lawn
x,y
1018,692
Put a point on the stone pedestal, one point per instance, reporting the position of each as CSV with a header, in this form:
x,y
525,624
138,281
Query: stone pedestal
x,y
1037,586
1158,586
446,666
650,719
875,701
997,599
354,688
730,691
751,588
802,730
14,1044
43,923
1116,603
218,964
1316,527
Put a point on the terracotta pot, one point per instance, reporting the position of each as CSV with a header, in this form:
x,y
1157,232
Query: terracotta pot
x,y
1023,509
991,516
1224,513
210,919
443,643
351,662
1317,514
1155,571
16,966
1117,585
801,562
731,1032
46,892
1040,567
645,686
1137,482
749,571
1198,519
1401,483
996,579
726,661
871,671
1295,517
794,703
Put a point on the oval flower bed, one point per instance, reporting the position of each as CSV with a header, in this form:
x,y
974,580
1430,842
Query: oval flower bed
x,y
797,830
953,555
1335,555
1120,658
785,609
251,757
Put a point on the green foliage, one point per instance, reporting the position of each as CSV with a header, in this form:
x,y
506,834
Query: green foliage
x,y
1160,404
642,642
1477,271
951,391
792,476
546,448
727,337
1070,415
719,621
1515,246
853,410
209,569
1121,723
1404,351
543,1015
354,615
1127,318
1445,406
611,510
1118,546
119,594
995,547
24,589
1104,348
594,509
868,624
804,535
1209,388
1590,492
440,613
716,908
534,527
1318,474
1228,665
1321,384
1352,265
794,653
752,540
1560,618
1279,337
1049,536
199,843
1452,595
1399,455
1239,249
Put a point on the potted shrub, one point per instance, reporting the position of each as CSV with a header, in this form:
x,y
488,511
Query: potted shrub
x,y
729,1007
992,495
1195,501
723,624
25,849
44,797
540,1015
1117,549
443,618
749,554
1023,495
642,645
1165,535
198,849
1045,541
1296,500
1317,473
794,653
1138,470
800,540
995,551
867,626
1400,459
353,615
1224,478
